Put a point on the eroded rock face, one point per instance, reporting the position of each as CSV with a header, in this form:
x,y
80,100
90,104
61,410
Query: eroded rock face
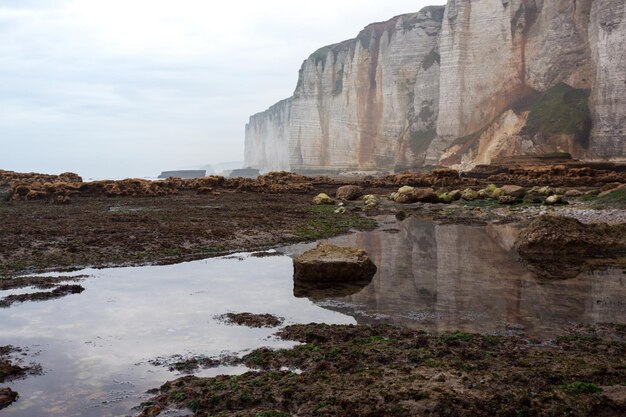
x,y
330,264
607,34
481,81
366,103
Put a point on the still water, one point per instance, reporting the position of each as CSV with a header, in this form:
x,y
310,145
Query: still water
x,y
94,347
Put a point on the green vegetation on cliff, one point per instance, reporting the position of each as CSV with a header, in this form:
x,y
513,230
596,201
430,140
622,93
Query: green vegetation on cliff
x,y
561,109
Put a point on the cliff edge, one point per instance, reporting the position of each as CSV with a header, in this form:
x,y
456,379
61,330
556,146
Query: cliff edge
x,y
457,86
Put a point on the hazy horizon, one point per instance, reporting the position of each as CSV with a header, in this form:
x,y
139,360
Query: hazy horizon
x,y
130,88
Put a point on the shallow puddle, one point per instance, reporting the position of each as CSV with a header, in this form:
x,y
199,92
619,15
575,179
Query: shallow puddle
x,y
95,347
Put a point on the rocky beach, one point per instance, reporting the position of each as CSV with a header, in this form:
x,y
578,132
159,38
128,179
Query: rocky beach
x,y
556,222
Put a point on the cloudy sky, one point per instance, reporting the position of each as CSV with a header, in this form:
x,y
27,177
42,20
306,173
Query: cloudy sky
x,y
117,88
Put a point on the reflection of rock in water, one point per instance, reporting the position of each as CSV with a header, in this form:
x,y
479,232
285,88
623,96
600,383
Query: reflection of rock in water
x,y
449,277
555,267
323,290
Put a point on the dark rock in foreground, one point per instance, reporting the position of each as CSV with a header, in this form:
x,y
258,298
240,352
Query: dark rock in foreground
x,y
330,263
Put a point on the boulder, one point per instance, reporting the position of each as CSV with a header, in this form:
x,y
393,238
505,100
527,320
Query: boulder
x,y
445,198
490,189
456,195
469,195
330,263
553,200
349,192
415,195
323,199
513,190
573,193
371,201
545,191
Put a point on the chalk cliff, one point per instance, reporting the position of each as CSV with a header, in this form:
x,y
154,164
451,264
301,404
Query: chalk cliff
x,y
458,85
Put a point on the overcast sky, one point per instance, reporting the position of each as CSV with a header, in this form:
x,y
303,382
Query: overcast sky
x,y
117,88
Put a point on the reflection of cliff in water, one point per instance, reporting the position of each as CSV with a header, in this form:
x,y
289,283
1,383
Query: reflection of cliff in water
x,y
454,277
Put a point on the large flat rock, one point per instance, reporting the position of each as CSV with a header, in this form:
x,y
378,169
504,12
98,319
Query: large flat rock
x,y
330,263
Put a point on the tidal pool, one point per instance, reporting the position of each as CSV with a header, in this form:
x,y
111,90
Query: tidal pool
x,y
95,347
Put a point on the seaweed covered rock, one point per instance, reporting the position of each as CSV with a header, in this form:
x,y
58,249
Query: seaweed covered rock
x,y
573,193
251,319
551,235
323,199
331,263
513,191
349,192
371,201
455,195
554,200
469,195
408,195
445,198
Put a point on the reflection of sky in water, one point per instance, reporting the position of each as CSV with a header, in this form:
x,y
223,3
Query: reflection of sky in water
x,y
95,346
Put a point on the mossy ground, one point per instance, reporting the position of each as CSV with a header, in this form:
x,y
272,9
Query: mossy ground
x,y
324,223
104,231
615,199
389,371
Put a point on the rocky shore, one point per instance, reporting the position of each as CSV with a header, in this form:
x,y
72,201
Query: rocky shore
x,y
571,217
133,221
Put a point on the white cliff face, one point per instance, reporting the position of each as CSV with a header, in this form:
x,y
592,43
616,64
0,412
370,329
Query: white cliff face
x,y
354,106
481,64
607,33
495,53
267,139
557,45
482,80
